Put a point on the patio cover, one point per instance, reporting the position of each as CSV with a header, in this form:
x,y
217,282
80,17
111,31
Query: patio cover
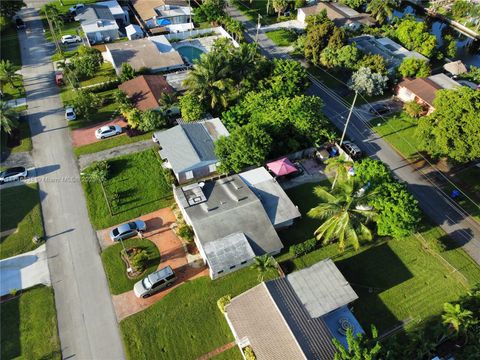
x,y
455,67
281,167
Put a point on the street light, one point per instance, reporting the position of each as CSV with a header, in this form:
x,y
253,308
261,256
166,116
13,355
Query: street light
x,y
348,118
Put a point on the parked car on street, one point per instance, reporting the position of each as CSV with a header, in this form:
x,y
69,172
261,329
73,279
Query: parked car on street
x,y
19,23
13,174
71,39
155,282
379,109
107,131
70,114
127,230
352,150
76,7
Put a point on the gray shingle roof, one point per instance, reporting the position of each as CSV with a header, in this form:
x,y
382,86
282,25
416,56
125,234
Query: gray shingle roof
x,y
93,13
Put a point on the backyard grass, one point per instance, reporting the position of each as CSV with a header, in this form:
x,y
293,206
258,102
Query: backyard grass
x,y
139,182
110,143
282,37
104,74
25,215
29,326
115,268
398,280
9,45
187,322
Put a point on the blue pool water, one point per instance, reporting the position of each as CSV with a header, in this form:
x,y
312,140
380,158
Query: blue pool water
x,y
190,53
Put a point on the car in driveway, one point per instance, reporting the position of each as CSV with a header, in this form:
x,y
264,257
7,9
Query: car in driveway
x,y
127,230
379,109
71,39
352,150
155,282
13,174
70,114
107,131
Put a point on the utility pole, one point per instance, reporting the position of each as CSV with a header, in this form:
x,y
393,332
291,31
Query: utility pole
x,y
348,118
258,28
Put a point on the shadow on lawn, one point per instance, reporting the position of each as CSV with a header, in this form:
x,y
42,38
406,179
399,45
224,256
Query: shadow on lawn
x,y
10,329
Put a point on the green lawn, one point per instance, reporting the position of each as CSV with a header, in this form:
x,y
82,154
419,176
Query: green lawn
x,y
468,181
26,216
15,91
282,37
187,322
9,46
25,141
115,268
29,326
110,143
407,280
138,180
231,354
253,8
104,74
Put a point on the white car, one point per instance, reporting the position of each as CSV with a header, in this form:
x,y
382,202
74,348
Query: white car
x,y
13,174
107,131
76,7
71,39
70,114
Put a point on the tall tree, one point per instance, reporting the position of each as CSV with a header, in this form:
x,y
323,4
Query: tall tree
x,y
264,264
345,213
317,40
413,67
7,73
10,8
359,347
374,62
382,9
367,82
8,118
414,35
340,165
456,317
279,6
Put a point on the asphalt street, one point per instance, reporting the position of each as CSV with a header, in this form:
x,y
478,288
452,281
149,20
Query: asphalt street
x,y
437,205
87,325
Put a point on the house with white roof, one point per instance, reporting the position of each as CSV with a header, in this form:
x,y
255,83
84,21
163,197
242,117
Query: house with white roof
x,y
171,15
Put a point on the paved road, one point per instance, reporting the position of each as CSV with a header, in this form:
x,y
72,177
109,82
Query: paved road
x,y
437,205
86,319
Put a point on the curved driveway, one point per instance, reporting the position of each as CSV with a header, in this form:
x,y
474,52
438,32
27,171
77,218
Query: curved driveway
x,y
86,320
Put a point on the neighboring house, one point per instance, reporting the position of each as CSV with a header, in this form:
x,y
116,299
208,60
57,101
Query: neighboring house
x,y
280,209
229,221
341,15
145,90
98,23
134,32
422,90
295,317
173,15
119,14
188,148
392,52
154,53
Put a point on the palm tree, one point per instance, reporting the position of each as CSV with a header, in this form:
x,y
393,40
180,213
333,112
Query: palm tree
x,y
340,165
264,264
359,346
8,118
345,213
280,6
209,81
7,72
167,101
456,317
381,9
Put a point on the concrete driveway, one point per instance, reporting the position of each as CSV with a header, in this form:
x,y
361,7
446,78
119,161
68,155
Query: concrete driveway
x,y
172,253
24,271
86,135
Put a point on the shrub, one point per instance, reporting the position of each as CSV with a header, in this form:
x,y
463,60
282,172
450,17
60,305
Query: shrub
x,y
224,301
139,260
85,104
185,232
99,170
248,352
151,120
127,72
303,248
300,3
191,107
133,132
109,85
413,109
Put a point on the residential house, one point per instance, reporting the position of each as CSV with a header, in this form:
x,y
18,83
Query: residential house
x,y
134,32
154,53
392,52
173,15
146,90
341,15
230,223
280,209
422,90
120,14
188,148
295,317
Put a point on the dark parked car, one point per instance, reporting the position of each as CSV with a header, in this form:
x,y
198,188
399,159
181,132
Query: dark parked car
x,y
379,109
352,150
127,230
13,174
19,23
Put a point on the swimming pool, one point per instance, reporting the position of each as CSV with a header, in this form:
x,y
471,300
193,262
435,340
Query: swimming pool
x,y
190,53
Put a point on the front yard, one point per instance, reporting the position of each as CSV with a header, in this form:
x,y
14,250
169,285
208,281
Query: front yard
x,y
282,37
398,280
136,186
187,322
115,268
20,210
110,143
9,45
24,137
29,326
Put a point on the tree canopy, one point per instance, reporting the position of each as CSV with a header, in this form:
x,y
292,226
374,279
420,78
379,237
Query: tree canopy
x,y
374,62
10,8
317,40
414,35
413,67
453,129
367,82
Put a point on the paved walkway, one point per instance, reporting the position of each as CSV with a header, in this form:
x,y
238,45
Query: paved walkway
x,y
86,160
24,271
86,320
217,351
172,253
86,135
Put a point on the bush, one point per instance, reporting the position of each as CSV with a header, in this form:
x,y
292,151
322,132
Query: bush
x,y
300,3
413,109
248,352
85,104
99,170
224,301
126,72
133,132
186,232
303,248
139,260
109,85
191,107
152,120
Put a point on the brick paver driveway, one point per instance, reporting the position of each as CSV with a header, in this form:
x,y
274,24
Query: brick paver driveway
x,y
171,253
86,135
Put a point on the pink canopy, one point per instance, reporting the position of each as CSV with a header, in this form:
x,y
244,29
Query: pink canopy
x,y
281,167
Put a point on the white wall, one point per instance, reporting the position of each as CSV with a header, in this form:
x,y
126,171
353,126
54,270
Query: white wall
x,y
188,34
